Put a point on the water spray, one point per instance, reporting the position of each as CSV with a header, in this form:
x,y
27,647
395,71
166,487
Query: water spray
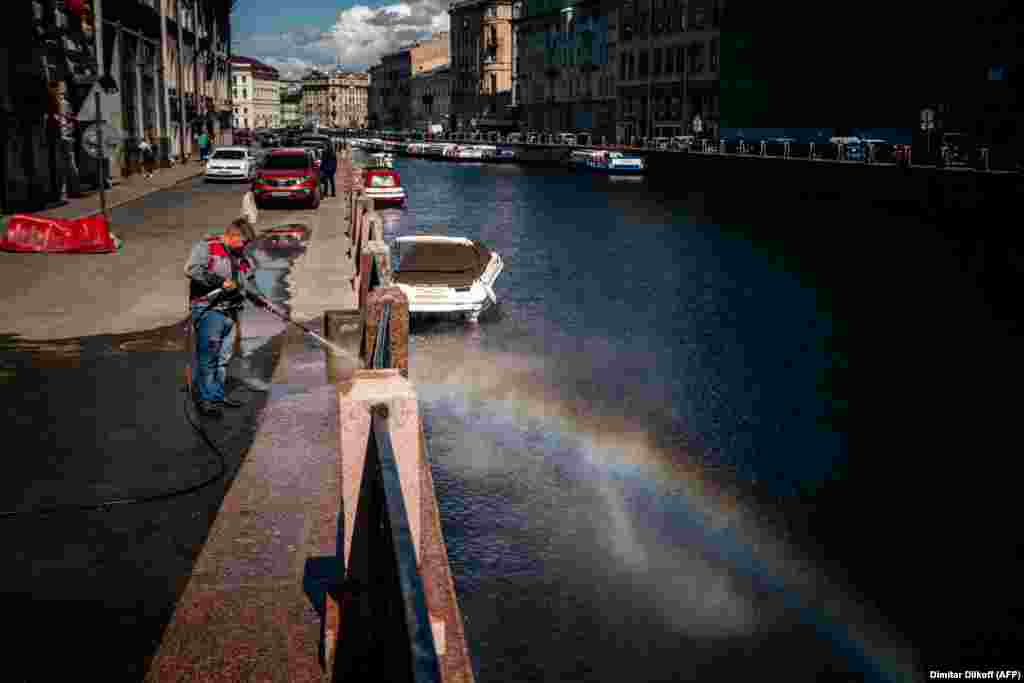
x,y
265,303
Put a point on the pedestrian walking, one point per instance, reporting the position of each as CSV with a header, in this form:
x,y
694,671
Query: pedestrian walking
x,y
328,167
217,263
63,123
204,146
148,156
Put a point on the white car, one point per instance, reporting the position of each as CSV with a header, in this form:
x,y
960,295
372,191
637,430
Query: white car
x,y
231,163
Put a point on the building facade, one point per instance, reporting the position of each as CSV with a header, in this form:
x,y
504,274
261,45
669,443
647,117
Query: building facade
x,y
482,61
391,80
291,104
431,98
565,57
256,89
160,68
338,99
668,64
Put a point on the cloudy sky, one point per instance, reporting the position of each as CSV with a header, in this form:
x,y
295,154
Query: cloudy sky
x,y
294,36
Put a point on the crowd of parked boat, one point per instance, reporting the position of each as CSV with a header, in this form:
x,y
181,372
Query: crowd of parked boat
x,y
598,161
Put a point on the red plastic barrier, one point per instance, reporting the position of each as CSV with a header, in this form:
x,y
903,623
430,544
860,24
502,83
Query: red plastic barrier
x,y
88,235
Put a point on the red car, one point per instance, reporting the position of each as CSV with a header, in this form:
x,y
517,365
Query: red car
x,y
289,174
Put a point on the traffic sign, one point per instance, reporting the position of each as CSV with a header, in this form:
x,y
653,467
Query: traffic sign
x,y
112,137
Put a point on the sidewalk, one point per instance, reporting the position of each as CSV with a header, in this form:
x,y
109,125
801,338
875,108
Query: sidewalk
x,y
129,189
252,609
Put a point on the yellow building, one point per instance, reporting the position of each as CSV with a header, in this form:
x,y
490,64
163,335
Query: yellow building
x,y
256,90
339,99
481,59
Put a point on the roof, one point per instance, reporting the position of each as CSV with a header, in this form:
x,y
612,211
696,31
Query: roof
x,y
437,260
256,65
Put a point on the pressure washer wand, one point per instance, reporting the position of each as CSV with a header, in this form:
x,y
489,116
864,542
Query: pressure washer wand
x,y
262,301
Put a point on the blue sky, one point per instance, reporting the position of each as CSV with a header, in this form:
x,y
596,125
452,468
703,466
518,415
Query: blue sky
x,y
295,36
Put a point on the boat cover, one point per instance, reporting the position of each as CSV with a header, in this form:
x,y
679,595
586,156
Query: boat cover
x,y
441,263
87,235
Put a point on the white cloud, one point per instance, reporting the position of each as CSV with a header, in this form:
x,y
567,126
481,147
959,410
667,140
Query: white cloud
x,y
356,40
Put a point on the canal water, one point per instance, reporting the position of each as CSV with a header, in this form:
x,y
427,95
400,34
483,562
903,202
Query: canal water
x,y
625,449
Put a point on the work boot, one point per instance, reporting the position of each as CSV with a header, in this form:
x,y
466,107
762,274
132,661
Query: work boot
x,y
209,409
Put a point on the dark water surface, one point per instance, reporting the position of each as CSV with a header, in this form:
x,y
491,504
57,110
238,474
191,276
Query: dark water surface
x,y
640,459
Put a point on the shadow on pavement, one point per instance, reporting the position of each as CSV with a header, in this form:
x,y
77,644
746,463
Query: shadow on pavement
x,y
100,418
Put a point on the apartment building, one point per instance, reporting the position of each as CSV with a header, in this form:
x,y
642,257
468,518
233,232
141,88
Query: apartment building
x,y
338,99
668,64
482,61
256,89
159,66
391,84
565,75
431,98
291,103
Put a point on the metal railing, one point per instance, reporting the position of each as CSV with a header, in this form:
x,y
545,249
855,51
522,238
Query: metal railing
x,y
979,158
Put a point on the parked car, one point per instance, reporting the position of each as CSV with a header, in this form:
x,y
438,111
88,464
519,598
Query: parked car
x,y
288,174
231,163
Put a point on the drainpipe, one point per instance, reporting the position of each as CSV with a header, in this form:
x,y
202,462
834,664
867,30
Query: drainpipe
x,y
165,97
181,83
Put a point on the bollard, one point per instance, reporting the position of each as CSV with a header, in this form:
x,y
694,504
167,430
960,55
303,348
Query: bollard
x,y
381,256
810,153
764,148
342,327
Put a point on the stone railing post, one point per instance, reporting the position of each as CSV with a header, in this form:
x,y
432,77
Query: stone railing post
x,y
398,330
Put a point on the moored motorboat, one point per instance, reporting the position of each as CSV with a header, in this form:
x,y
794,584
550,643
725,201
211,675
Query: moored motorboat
x,y
383,186
603,161
446,275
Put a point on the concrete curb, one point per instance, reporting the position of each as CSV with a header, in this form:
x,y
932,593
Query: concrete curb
x,y
89,205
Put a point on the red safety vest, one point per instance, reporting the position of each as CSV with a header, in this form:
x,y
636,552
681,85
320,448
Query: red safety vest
x,y
220,262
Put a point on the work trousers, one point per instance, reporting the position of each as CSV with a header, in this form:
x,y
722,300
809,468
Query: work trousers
x,y
215,334
327,179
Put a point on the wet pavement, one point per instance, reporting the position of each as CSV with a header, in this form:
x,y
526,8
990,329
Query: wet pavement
x,y
101,417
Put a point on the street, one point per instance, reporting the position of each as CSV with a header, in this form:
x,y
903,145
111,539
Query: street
x,y
91,359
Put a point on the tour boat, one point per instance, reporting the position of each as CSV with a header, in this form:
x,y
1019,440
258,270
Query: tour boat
x,y
505,154
446,275
600,161
468,153
383,186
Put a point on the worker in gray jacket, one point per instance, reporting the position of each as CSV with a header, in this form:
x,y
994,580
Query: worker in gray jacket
x,y
218,270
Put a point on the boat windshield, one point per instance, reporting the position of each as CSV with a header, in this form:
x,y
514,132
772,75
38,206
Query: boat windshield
x,y
382,181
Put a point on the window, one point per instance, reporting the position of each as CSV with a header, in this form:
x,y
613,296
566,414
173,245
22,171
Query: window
x,y
656,71
668,60
642,68
714,55
622,68
286,162
494,84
